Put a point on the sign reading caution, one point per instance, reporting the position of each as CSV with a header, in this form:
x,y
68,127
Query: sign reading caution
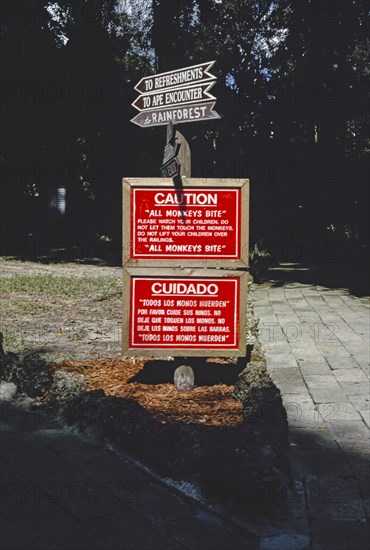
x,y
204,224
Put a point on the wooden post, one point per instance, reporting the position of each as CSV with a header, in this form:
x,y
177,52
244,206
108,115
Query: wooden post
x,y
184,155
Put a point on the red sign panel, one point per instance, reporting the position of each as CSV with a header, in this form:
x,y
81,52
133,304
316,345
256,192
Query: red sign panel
x,y
192,224
191,313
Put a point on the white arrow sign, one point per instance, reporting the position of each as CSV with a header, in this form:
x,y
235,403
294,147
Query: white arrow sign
x,y
176,115
180,77
175,96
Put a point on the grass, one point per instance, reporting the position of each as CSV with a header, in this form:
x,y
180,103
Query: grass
x,y
12,259
57,313
10,337
59,285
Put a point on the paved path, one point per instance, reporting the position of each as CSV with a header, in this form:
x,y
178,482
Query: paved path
x,y
61,492
316,344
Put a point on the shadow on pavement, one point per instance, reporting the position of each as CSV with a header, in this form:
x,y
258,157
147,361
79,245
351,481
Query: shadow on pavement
x,y
355,277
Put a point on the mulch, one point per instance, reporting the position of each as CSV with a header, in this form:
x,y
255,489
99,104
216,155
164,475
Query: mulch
x,y
207,405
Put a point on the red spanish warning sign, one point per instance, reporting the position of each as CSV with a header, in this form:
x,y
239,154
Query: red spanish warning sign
x,y
191,313
191,224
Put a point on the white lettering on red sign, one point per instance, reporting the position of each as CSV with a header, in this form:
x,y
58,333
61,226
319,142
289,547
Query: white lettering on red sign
x,y
185,198
181,288
193,313
195,223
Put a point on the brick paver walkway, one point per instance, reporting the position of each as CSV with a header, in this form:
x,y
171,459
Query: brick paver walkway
x,y
316,345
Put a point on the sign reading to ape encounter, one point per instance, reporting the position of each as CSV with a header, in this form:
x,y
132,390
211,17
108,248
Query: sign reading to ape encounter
x,y
180,96
195,313
176,96
200,223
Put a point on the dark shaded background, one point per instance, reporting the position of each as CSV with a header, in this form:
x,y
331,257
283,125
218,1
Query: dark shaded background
x,y
292,93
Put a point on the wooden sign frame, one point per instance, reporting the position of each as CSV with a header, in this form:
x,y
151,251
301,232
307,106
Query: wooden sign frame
x,y
240,315
202,260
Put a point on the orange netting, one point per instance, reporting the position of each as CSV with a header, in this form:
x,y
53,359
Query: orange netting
x,y
211,405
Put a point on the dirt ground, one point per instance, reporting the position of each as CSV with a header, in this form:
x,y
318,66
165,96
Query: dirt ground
x,y
71,314
64,311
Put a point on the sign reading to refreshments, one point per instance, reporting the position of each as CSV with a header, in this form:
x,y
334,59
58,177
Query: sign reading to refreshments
x,y
184,313
179,77
208,225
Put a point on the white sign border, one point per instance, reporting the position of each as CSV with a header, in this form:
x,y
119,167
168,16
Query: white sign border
x,y
171,345
186,273
233,256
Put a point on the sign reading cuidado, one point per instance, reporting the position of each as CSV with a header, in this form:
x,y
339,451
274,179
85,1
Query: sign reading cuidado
x,y
204,222
200,311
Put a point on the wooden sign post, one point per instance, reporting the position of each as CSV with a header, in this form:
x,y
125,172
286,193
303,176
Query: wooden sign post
x,y
170,164
184,156
177,230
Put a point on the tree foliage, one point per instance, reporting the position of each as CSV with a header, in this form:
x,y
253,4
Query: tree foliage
x,y
291,91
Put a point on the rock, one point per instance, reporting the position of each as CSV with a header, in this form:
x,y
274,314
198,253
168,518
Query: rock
x,y
252,324
244,466
171,448
64,388
7,391
267,452
30,372
28,403
184,378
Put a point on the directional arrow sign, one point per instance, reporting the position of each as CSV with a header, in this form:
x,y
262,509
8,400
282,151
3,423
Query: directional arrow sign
x,y
172,79
171,151
176,96
176,115
170,169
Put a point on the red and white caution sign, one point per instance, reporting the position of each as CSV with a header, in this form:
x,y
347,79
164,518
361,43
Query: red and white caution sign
x,y
203,224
